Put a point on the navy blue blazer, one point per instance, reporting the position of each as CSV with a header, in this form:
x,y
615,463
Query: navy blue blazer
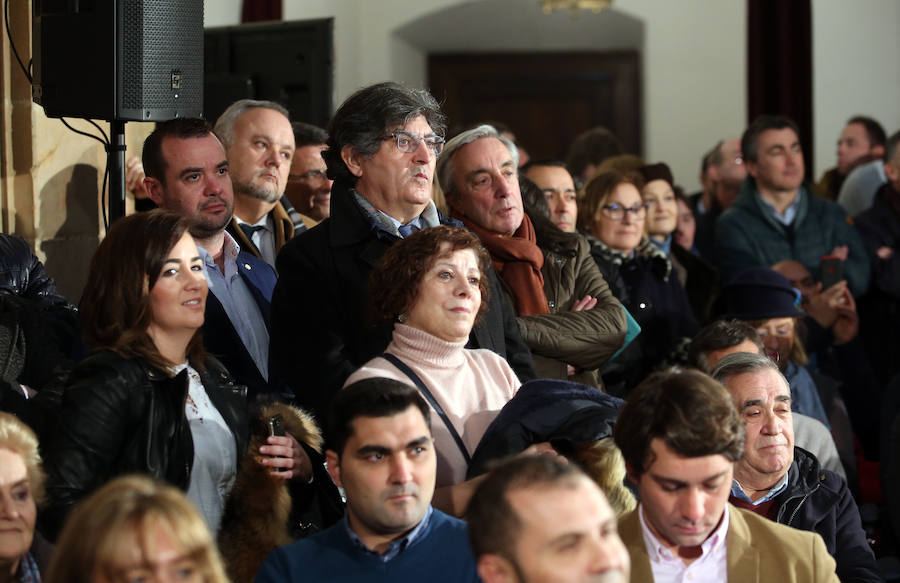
x,y
222,340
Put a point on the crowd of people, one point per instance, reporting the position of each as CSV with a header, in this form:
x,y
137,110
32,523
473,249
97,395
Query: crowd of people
x,y
378,352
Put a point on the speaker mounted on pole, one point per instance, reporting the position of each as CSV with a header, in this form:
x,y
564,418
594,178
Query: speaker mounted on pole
x,y
126,60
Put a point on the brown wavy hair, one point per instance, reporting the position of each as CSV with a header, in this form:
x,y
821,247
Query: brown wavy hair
x,y
689,411
115,306
394,283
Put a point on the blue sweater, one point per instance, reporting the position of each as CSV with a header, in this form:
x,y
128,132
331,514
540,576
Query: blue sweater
x,y
440,554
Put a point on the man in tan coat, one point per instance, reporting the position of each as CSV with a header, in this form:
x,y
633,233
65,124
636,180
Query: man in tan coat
x,y
680,436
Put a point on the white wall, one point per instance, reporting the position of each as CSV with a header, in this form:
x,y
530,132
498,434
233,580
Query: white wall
x,y
694,58
855,50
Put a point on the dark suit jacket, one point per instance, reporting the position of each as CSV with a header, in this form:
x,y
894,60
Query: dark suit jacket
x,y
222,340
320,330
758,551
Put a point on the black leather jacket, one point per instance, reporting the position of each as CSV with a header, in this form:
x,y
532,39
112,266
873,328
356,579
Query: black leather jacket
x,y
122,416
22,274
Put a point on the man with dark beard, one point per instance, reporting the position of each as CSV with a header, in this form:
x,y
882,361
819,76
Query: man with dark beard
x,y
259,143
188,173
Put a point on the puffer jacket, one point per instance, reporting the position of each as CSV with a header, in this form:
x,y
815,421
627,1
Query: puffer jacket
x,y
819,500
22,274
583,339
120,415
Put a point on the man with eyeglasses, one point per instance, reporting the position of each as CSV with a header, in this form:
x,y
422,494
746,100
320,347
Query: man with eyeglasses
x,y
566,312
259,143
308,185
777,217
382,145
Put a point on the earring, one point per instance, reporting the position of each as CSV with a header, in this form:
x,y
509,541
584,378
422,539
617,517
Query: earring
x,y
402,318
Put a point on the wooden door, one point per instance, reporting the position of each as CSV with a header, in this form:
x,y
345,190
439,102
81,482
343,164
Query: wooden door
x,y
546,98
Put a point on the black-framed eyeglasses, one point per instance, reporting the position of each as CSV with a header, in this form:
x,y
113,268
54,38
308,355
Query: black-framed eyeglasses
x,y
617,212
310,175
409,143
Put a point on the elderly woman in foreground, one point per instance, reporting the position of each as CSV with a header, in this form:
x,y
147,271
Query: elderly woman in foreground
x,y
136,529
21,490
433,286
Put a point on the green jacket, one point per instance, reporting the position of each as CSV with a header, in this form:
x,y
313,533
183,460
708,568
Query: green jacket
x,y
747,235
584,339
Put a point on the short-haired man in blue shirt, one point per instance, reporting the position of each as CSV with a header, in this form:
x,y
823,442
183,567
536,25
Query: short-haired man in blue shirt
x,y
381,452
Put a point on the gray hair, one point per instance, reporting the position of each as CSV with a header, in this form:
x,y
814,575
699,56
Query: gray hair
x,y
224,128
444,170
744,363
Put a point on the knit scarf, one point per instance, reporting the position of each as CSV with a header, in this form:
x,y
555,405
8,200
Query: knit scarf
x,y
518,260
646,249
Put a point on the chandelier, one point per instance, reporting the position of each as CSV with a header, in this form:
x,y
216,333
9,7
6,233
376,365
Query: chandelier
x,y
574,6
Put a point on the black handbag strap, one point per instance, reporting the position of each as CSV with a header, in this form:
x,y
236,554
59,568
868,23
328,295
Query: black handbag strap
x,y
430,398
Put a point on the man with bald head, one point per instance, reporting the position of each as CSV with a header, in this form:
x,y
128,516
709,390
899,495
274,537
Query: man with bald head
x,y
725,172
785,483
540,519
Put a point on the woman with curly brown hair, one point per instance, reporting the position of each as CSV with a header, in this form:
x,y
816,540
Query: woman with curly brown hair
x,y
433,285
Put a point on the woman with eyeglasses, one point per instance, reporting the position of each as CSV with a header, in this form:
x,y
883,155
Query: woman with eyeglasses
x,y
640,275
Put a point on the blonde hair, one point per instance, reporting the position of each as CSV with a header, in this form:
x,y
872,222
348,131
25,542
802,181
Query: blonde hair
x,y
120,519
19,438
603,462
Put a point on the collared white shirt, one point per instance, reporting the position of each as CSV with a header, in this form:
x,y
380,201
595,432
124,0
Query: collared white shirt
x,y
238,302
264,238
667,567
789,214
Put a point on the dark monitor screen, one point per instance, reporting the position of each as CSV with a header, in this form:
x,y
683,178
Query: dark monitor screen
x,y
288,62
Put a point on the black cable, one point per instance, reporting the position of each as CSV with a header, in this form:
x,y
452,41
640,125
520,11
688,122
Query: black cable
x,y
103,193
104,142
102,132
11,44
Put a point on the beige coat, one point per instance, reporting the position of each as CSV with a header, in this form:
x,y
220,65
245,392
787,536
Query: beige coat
x,y
759,551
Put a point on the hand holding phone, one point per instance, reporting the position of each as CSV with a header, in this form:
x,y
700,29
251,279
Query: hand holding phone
x,y
276,428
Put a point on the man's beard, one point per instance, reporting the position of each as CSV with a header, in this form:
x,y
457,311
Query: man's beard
x,y
205,228
261,192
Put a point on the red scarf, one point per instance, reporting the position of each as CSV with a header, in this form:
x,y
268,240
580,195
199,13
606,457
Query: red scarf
x,y
518,260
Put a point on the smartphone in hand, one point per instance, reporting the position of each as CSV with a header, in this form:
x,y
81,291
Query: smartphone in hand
x,y
831,271
276,428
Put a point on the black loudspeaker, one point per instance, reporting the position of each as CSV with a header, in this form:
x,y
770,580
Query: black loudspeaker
x,y
128,60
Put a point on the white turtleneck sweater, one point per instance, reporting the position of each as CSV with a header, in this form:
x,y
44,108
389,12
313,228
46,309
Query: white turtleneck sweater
x,y
471,385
